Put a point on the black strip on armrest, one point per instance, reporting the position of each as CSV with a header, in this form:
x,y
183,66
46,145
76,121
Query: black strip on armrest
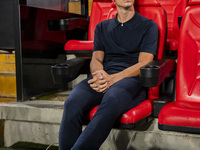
x,y
179,21
154,73
68,71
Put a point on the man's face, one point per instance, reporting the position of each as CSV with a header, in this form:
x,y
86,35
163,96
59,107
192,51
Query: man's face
x,y
124,3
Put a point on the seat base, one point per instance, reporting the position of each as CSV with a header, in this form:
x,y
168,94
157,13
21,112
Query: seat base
x,y
129,126
179,128
131,119
135,124
180,116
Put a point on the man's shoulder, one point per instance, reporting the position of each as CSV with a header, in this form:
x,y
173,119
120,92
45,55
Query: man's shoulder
x,y
105,22
146,21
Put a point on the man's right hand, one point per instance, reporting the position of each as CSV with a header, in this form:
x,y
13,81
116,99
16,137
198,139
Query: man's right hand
x,y
98,82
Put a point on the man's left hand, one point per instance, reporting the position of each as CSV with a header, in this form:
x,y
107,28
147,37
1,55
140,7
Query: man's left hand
x,y
103,82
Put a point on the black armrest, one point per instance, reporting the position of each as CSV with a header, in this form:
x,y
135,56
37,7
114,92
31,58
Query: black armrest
x,y
154,73
69,70
68,24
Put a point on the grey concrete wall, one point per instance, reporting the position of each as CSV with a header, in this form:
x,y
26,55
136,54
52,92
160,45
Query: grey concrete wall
x,y
33,121
39,121
35,132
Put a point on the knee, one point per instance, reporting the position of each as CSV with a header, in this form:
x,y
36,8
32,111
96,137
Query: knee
x,y
72,101
116,100
116,95
67,104
72,112
70,107
109,105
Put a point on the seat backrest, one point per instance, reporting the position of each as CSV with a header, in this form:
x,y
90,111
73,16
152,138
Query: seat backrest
x,y
99,12
188,65
156,13
152,10
174,9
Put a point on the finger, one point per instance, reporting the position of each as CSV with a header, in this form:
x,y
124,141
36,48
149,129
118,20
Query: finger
x,y
99,75
94,85
103,90
96,89
103,86
100,82
92,80
94,73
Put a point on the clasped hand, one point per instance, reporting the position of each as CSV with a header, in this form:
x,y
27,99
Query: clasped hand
x,y
101,81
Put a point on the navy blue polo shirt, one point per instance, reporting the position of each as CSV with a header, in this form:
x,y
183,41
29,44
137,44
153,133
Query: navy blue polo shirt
x,y
122,42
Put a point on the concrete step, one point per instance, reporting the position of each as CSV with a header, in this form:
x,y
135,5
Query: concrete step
x,y
39,121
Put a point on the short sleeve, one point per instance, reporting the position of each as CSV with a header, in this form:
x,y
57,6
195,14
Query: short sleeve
x,y
98,43
150,39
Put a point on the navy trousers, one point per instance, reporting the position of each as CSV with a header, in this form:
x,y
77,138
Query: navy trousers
x,y
120,97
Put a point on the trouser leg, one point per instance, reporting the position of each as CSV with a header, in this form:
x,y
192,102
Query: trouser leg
x,y
81,99
121,97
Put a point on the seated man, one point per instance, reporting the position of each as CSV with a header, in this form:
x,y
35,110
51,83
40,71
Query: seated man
x,y
122,45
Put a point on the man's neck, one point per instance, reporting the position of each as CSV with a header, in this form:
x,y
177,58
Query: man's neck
x,y
125,14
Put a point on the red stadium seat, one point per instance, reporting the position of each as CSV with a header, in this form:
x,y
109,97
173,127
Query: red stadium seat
x,y
143,112
174,9
99,12
184,113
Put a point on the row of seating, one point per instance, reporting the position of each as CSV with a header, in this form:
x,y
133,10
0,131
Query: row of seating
x,y
184,113
151,9
174,10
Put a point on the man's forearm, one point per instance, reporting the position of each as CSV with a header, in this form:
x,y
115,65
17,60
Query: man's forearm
x,y
97,61
144,58
130,72
95,65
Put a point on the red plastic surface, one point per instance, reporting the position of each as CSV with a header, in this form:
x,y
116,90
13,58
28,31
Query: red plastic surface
x,y
99,12
147,3
79,45
194,2
143,3
180,114
174,9
188,71
134,115
185,111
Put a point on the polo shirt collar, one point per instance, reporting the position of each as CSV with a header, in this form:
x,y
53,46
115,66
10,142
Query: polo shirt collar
x,y
130,23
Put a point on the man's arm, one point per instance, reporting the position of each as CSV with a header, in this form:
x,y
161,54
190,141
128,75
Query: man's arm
x,y
98,83
102,81
97,61
144,58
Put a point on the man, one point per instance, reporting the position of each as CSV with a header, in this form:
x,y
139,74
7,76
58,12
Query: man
x,y
122,45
